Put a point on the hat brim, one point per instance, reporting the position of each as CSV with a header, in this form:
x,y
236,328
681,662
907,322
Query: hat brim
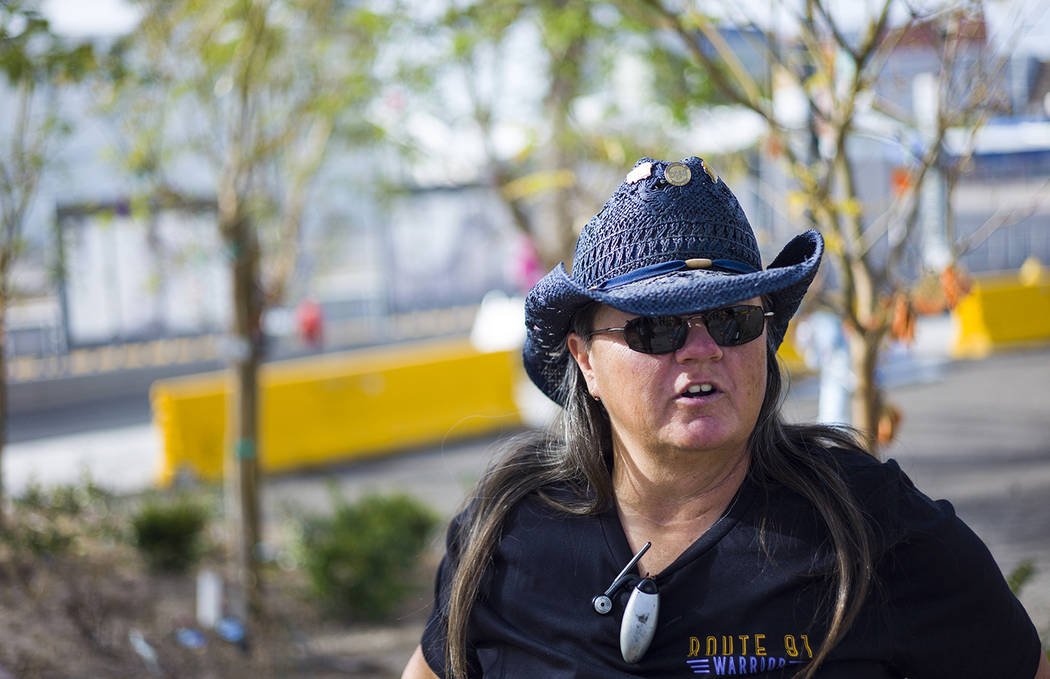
x,y
556,298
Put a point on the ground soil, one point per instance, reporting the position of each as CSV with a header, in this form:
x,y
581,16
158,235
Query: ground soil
x,y
79,601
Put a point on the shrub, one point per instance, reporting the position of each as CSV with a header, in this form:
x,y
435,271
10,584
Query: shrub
x,y
65,500
169,535
1020,575
46,522
358,559
37,538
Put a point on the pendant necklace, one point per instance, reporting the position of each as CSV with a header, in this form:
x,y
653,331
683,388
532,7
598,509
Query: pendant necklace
x,y
638,625
639,617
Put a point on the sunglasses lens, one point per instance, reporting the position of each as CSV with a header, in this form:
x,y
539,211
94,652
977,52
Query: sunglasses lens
x,y
655,334
728,327
735,325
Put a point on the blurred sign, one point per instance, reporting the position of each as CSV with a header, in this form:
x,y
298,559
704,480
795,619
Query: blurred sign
x,y
141,274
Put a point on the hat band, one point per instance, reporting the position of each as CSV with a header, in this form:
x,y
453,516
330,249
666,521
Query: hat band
x,y
654,270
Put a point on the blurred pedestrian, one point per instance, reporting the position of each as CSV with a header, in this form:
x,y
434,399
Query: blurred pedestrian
x,y
526,268
309,318
672,523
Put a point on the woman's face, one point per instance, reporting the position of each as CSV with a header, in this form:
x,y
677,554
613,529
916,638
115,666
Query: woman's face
x,y
651,399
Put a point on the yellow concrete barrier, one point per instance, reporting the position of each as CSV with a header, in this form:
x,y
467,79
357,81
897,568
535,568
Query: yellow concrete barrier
x,y
333,408
1004,311
790,356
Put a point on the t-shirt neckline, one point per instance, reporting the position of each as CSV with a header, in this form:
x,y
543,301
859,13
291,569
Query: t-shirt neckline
x,y
616,538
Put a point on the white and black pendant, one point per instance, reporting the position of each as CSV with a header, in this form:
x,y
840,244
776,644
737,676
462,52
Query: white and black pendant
x,y
639,621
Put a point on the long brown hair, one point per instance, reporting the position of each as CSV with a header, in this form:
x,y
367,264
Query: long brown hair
x,y
577,452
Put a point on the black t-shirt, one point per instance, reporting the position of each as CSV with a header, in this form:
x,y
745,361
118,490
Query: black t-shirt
x,y
750,597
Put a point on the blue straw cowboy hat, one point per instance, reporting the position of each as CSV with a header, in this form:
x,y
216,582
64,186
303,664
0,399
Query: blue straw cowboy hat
x,y
671,241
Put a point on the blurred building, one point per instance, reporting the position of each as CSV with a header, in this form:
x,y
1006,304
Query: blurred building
x,y
998,209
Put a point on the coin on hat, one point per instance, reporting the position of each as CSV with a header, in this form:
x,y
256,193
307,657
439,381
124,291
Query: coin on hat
x,y
678,174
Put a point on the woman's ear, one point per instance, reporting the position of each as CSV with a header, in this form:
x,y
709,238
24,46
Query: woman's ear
x,y
581,352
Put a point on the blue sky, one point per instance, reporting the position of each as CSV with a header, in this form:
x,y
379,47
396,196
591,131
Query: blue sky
x,y
1024,23
90,17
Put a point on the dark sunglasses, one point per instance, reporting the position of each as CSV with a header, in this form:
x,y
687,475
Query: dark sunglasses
x,y
729,327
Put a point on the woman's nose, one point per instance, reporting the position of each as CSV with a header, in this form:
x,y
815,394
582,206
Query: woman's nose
x,y
698,343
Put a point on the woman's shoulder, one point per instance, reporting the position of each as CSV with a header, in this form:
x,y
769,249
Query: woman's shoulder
x,y
867,474
937,583
871,479
890,499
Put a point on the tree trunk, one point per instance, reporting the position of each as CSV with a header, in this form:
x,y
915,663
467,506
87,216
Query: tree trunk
x,y
245,482
242,467
3,407
564,87
867,395
560,213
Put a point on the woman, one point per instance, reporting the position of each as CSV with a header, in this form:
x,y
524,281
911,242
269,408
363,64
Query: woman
x,y
672,524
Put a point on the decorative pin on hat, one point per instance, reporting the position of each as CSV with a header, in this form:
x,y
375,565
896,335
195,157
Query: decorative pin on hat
x,y
640,172
678,174
710,173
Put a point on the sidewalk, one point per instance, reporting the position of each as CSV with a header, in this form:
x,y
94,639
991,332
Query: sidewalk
x,y
122,459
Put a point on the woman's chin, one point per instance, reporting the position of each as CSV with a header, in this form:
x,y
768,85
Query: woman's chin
x,y
708,439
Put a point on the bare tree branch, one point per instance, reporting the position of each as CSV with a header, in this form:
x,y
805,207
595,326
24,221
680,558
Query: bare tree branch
x,y
1005,219
715,70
